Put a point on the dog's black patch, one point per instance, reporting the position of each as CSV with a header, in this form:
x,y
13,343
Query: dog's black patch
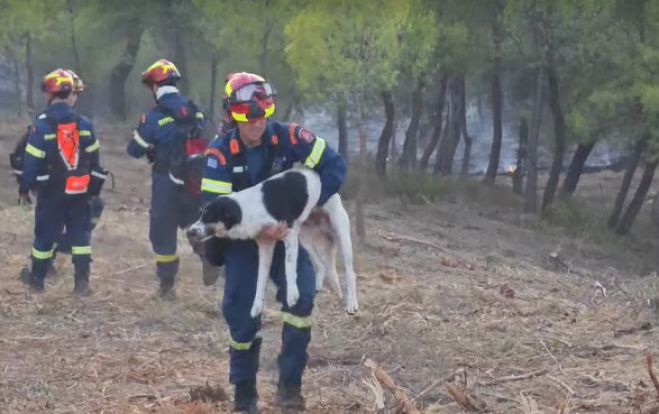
x,y
285,197
214,249
223,209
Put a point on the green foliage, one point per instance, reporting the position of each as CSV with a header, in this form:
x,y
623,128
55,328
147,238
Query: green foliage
x,y
341,49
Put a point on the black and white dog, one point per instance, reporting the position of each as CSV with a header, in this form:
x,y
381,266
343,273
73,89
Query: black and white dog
x,y
290,197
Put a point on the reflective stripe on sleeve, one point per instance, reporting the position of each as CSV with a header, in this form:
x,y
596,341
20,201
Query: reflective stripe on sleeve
x,y
317,152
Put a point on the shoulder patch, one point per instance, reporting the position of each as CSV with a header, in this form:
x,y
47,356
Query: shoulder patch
x,y
218,155
212,162
306,136
184,112
291,133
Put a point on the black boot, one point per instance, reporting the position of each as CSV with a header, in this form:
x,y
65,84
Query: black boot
x,y
81,267
167,273
289,396
245,398
35,277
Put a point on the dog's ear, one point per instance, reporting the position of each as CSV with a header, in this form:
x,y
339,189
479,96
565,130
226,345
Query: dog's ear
x,y
223,210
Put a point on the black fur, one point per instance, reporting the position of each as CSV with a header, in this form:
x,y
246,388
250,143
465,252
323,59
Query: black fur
x,y
286,197
214,249
223,209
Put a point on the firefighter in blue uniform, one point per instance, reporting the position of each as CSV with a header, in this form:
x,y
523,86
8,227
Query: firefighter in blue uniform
x,y
16,160
62,160
162,136
245,156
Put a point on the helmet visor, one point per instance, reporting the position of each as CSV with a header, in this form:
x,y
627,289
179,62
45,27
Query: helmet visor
x,y
253,90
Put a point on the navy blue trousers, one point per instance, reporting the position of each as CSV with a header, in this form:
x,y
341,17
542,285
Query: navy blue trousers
x,y
172,207
53,212
241,261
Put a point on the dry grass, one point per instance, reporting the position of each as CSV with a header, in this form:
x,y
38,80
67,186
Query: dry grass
x,y
454,296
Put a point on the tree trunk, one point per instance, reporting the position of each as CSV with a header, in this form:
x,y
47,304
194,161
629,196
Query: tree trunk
x,y
385,137
449,142
360,222
29,92
639,147
120,71
576,168
522,153
393,150
408,159
466,158
182,63
17,82
445,133
637,201
559,135
342,124
497,113
531,193
265,40
74,43
437,125
211,99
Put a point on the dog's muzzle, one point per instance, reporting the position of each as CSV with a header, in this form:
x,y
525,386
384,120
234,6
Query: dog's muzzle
x,y
198,232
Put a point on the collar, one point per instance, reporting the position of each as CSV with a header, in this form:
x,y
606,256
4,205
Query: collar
x,y
269,139
164,90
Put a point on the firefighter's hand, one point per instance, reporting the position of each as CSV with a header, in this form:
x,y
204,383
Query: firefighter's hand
x,y
274,232
151,153
24,199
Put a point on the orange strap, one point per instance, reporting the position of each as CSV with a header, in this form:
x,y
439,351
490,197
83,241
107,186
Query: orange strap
x,y
68,143
217,154
234,147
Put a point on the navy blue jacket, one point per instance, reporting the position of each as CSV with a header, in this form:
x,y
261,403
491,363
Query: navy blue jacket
x,y
160,131
283,144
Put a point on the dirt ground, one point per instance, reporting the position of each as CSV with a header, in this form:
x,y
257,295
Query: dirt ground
x,y
466,305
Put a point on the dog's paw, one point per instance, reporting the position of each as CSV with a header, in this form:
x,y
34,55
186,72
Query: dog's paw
x,y
292,295
257,309
351,305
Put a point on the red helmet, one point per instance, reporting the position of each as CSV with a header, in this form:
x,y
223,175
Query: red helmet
x,y
78,84
249,96
57,82
161,72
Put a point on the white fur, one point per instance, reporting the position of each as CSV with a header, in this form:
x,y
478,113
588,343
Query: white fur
x,y
318,238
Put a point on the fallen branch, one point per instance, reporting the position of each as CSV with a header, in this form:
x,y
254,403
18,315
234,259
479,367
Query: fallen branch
x,y
510,378
448,378
467,402
391,237
653,376
564,385
374,385
552,356
402,400
130,269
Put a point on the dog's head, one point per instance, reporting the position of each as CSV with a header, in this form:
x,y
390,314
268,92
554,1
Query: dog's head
x,y
216,219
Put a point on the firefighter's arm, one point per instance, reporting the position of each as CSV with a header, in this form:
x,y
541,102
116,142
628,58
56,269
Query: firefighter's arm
x,y
314,153
92,147
91,144
141,144
35,157
216,178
